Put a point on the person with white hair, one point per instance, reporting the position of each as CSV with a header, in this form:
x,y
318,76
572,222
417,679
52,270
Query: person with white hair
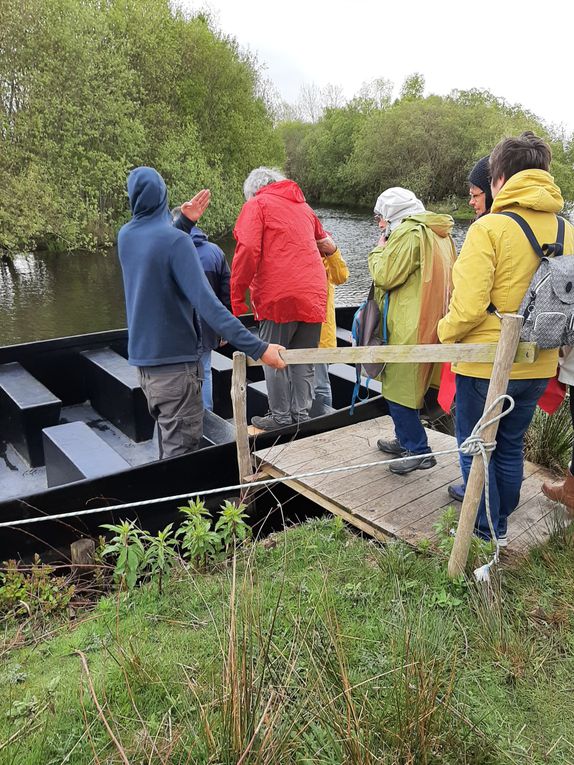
x,y
277,259
411,269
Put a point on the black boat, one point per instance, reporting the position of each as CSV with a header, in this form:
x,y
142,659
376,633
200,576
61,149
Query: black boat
x,y
75,433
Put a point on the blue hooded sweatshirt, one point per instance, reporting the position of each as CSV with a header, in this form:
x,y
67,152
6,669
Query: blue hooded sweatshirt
x,y
165,286
215,268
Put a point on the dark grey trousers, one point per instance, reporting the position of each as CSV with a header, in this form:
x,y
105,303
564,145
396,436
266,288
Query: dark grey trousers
x,y
173,393
290,390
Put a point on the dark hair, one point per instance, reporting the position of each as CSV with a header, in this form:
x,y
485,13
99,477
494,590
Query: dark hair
x,y
525,152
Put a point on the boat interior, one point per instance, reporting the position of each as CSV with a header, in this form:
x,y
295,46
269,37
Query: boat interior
x,y
72,409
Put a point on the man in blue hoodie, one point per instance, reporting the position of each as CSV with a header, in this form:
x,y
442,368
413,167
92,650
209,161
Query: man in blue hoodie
x,y
218,275
167,293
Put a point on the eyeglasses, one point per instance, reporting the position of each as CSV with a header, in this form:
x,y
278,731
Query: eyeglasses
x,y
476,196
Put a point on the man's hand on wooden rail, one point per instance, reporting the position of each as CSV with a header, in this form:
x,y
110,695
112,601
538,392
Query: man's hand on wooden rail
x,y
272,357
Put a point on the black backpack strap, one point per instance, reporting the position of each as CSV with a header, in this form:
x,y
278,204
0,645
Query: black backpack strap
x,y
557,248
527,232
547,249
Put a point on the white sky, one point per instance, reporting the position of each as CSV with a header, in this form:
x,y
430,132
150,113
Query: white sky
x,y
521,51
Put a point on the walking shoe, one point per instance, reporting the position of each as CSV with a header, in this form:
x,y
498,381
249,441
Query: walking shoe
x,y
503,540
456,491
563,492
268,423
404,466
391,447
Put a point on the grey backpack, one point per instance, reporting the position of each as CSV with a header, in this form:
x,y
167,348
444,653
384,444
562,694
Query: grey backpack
x,y
548,305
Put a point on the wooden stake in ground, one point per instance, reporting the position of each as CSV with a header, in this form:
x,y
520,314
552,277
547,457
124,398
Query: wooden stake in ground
x,y
239,401
506,351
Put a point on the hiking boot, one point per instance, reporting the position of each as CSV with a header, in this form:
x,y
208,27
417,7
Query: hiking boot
x,y
456,491
417,462
391,447
561,492
268,422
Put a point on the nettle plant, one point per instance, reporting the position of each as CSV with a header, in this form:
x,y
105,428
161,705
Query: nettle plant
x,y
203,544
139,554
128,546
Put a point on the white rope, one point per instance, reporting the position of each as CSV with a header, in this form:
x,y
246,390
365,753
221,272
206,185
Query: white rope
x,y
473,445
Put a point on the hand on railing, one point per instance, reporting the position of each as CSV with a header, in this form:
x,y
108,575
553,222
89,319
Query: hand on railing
x,y
272,357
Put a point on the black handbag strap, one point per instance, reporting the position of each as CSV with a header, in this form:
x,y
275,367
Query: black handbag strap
x,y
555,249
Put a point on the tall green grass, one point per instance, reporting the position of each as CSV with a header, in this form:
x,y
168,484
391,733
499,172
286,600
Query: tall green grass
x,y
319,647
549,438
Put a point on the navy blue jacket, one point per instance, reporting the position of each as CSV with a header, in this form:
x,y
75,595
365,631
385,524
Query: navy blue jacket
x,y
166,289
217,271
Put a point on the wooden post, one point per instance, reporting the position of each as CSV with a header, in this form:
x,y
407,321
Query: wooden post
x,y
239,401
82,555
509,337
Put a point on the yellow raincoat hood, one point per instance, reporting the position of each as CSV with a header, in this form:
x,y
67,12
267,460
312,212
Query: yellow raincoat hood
x,y
533,189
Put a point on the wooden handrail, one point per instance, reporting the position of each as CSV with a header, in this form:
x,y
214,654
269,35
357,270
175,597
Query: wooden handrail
x,y
373,354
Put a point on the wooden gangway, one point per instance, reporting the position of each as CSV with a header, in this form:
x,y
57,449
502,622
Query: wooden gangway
x,y
389,506
502,355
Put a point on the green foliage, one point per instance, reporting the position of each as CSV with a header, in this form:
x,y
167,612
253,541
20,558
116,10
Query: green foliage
x,y
91,89
548,440
427,144
200,544
33,591
231,525
446,527
160,554
128,547
194,509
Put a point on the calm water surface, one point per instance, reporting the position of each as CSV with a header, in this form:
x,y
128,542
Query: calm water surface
x,y
45,295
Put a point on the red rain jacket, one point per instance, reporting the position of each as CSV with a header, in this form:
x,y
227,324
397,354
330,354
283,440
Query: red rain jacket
x,y
277,259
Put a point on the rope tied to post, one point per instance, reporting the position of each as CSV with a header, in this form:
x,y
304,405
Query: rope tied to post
x,y
475,445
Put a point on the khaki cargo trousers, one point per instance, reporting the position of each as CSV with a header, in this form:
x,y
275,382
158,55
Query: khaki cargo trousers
x,y
173,393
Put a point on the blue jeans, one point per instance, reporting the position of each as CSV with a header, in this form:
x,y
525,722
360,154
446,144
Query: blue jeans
x,y
408,428
207,387
507,461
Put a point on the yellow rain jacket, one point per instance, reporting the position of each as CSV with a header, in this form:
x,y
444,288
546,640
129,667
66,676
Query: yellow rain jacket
x,y
414,267
496,265
337,273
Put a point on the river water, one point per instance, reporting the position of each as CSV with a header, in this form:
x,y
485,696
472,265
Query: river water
x,y
45,295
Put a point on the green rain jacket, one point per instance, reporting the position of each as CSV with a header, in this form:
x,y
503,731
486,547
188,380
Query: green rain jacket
x,y
414,267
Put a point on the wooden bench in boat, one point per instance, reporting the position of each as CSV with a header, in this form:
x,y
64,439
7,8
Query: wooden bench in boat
x,y
221,370
114,391
26,407
73,452
216,430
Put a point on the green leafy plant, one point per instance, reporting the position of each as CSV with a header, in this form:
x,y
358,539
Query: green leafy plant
x,y
194,509
160,554
200,544
127,545
231,525
33,591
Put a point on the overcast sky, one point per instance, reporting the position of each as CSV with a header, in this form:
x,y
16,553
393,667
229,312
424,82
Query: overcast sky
x,y
521,51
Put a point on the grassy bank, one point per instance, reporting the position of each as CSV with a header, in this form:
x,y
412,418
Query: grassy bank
x,y
316,647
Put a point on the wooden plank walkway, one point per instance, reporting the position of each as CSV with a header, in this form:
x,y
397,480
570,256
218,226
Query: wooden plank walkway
x,y
385,505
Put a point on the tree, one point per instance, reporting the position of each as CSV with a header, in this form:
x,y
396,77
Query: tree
x,y
413,87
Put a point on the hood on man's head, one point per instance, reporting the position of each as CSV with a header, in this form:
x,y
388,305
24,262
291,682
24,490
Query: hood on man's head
x,y
396,204
147,192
